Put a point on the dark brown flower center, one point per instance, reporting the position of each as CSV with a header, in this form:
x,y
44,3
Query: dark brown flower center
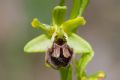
x,y
60,54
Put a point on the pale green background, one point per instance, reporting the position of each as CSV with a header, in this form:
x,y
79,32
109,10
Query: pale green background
x,y
102,31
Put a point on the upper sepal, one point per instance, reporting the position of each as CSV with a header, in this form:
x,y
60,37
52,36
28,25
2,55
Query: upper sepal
x,y
38,44
59,14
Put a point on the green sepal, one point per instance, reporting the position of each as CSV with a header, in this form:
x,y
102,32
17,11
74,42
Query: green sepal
x,y
59,14
70,25
78,44
66,73
38,44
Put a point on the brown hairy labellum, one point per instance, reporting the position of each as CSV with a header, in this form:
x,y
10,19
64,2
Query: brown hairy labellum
x,y
60,54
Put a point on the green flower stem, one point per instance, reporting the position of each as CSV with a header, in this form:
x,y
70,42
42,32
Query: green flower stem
x,y
75,9
84,75
84,60
66,73
97,76
62,3
78,8
83,6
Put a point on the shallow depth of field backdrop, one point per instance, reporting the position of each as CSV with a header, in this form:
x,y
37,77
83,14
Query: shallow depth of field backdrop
x,y
102,31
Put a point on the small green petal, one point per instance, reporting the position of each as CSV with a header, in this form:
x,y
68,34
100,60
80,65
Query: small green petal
x,y
37,24
59,14
78,44
70,25
38,44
